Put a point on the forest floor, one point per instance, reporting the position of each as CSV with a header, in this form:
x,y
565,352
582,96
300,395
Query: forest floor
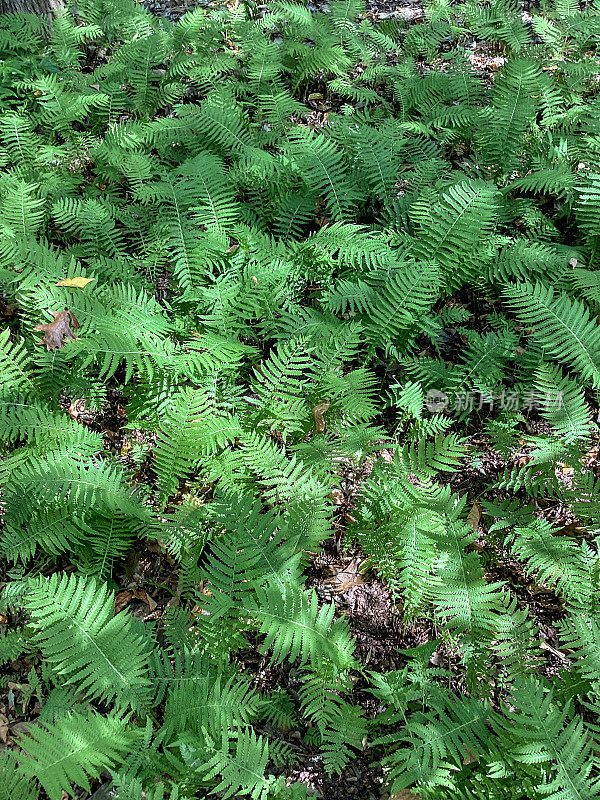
x,y
147,580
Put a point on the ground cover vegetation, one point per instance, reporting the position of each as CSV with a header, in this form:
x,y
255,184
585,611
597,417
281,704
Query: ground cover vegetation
x,y
278,245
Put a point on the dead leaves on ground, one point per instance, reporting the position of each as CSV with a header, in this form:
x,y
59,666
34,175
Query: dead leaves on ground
x,y
127,595
344,578
56,333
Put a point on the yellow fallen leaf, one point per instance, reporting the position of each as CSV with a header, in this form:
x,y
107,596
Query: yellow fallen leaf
x,y
75,283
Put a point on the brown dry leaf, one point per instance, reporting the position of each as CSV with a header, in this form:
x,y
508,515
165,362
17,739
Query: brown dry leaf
x,y
470,757
474,515
75,283
142,594
318,415
122,599
20,728
591,455
56,332
3,728
405,794
347,577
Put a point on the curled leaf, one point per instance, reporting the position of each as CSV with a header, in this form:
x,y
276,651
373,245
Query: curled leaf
x,y
318,415
56,332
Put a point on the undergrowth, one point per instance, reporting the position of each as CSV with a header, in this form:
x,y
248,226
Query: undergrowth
x,y
288,242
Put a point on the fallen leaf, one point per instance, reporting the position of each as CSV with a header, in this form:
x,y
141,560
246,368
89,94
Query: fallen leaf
x,y
142,594
122,599
318,412
470,757
474,515
75,283
56,332
76,407
347,577
19,728
3,728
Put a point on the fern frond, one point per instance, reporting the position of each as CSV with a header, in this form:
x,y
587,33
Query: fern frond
x,y
321,166
562,403
85,643
542,732
561,326
295,627
77,747
454,230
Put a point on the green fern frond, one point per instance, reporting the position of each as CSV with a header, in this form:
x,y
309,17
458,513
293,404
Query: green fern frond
x,y
76,748
85,643
295,627
561,326
562,403
454,230
544,733
320,165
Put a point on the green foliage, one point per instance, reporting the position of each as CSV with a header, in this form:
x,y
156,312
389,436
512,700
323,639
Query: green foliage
x,y
84,643
339,277
74,748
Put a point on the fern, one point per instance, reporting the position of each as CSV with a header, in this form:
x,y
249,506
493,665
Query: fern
x,y
562,326
558,561
334,284
85,644
562,403
452,231
545,733
242,767
294,627
74,750
320,165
